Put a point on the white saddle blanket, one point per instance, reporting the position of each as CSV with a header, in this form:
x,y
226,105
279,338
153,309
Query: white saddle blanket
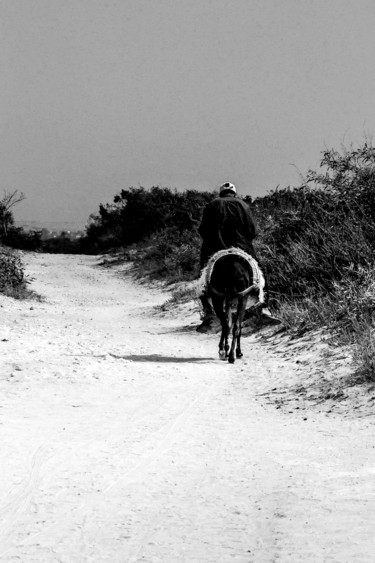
x,y
258,277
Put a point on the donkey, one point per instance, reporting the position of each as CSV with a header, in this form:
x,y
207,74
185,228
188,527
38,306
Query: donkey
x,y
231,285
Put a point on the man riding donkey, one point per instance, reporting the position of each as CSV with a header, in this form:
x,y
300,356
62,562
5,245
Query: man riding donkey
x,y
227,223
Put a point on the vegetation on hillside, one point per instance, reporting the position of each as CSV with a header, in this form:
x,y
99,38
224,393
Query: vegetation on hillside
x,y
159,227
317,246
323,231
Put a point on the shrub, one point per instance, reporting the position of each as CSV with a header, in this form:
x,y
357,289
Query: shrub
x,y
307,246
12,277
63,244
316,245
170,255
137,215
22,240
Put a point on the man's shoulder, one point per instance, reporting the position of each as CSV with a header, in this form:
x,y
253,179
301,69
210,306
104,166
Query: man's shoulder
x,y
233,201
225,198
220,202
214,202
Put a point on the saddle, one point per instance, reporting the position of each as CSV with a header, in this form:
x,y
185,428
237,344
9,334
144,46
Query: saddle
x,y
258,277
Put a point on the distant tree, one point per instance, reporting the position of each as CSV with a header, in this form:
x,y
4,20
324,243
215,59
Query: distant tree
x,y
8,201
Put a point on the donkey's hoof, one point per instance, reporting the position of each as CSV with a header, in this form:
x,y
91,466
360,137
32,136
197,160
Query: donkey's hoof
x,y
239,354
231,359
222,355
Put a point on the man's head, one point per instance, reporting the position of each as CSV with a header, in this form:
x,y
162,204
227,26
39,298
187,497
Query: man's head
x,y
227,188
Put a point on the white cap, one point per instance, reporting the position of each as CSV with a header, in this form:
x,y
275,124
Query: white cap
x,y
227,186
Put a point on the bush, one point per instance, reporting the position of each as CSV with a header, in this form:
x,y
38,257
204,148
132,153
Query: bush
x,y
316,246
309,246
170,255
63,244
137,215
313,235
22,240
12,278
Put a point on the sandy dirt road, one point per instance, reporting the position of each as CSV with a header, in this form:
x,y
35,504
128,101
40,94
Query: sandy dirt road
x,y
124,439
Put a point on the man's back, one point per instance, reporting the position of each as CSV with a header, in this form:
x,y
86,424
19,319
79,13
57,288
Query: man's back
x,y
226,222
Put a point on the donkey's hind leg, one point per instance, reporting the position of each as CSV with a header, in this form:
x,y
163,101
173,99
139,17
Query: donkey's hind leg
x,y
231,358
223,344
236,333
224,339
241,315
239,353
220,307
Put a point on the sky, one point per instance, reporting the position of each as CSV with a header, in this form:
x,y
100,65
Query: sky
x,y
101,95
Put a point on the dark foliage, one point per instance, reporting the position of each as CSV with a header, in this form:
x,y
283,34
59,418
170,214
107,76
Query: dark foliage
x,y
323,231
63,244
137,214
23,240
161,221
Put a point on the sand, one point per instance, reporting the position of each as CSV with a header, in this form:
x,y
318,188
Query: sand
x,y
124,438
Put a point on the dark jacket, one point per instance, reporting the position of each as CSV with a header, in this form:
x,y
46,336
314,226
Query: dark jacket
x,y
227,221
